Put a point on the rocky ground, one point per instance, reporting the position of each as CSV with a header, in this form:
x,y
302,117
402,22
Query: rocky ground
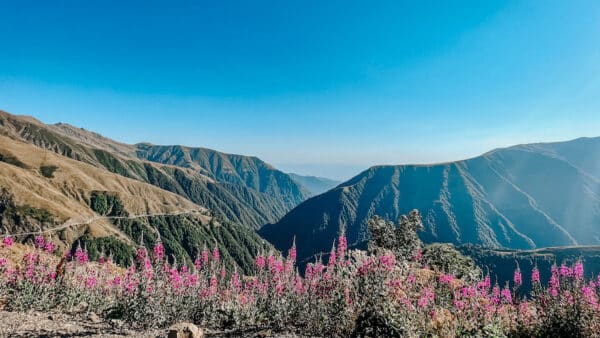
x,y
44,324
38,324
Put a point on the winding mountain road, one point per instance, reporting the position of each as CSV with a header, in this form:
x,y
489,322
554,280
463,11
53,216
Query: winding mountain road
x,y
71,223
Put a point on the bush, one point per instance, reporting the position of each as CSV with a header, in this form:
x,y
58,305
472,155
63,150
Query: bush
x,y
48,170
445,258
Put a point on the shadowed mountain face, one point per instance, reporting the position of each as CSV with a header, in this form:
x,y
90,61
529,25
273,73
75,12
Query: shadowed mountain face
x,y
245,171
244,189
314,185
521,197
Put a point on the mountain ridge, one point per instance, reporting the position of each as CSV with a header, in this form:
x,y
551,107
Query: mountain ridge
x,y
498,199
263,195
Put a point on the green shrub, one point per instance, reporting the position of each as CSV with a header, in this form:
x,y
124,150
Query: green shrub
x,y
48,170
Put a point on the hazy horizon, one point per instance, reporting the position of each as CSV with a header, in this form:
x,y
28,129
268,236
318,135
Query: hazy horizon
x,y
325,89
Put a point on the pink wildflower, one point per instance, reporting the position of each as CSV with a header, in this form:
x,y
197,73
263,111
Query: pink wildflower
x,y
507,295
446,279
40,242
517,278
216,255
198,263
535,275
388,262
342,247
578,270
488,281
270,260
554,282
292,252
235,281
91,282
205,255
141,254
49,247
158,251
7,241
260,261
308,272
332,257
81,256
565,271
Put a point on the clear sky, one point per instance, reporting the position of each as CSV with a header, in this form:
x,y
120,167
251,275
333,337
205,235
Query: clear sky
x,y
317,87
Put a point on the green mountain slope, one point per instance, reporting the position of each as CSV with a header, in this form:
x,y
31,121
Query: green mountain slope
x,y
75,203
279,190
521,197
314,185
243,189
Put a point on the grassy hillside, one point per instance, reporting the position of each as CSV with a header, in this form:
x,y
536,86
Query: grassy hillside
x,y
43,189
243,189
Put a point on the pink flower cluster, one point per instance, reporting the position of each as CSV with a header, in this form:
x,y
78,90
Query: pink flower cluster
x,y
345,282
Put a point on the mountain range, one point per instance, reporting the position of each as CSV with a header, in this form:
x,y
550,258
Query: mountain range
x,y
50,173
522,197
85,189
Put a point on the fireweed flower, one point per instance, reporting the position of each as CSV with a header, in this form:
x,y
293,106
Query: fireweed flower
x,y
565,271
91,282
554,282
81,256
388,262
506,295
446,279
309,272
198,263
49,247
578,270
332,257
40,242
141,255
260,262
158,251
235,281
517,278
488,281
7,241
292,252
535,276
216,255
342,247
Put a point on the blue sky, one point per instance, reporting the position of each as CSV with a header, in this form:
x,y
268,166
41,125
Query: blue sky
x,y
318,87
